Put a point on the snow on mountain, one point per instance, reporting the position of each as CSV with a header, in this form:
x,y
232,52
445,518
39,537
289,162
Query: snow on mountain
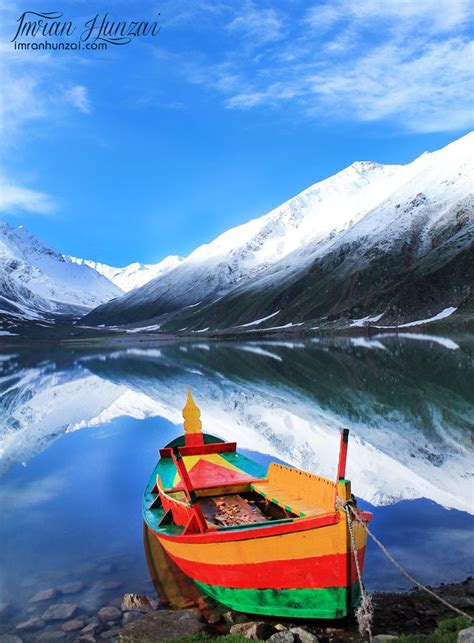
x,y
35,280
403,446
366,203
132,276
392,455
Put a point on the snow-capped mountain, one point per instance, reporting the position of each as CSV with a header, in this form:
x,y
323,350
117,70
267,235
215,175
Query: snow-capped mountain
x,y
330,251
134,275
36,281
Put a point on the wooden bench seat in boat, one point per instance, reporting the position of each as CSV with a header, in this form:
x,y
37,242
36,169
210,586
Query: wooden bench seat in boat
x,y
296,491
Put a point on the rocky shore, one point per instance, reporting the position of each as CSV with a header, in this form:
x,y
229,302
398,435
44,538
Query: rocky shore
x,y
57,614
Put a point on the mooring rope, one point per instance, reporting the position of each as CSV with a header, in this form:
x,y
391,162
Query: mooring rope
x,y
365,612
348,507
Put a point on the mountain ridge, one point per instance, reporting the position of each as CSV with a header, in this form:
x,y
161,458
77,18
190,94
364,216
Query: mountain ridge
x,y
372,223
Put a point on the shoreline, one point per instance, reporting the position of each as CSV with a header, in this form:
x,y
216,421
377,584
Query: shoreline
x,y
135,618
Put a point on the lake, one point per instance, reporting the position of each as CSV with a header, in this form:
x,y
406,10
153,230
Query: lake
x,y
80,429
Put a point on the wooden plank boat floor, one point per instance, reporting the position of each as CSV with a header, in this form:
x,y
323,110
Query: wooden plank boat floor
x,y
229,510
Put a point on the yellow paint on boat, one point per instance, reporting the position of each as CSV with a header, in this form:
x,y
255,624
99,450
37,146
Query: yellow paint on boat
x,y
191,415
331,539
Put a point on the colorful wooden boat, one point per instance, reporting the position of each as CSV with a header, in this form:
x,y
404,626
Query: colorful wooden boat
x,y
272,542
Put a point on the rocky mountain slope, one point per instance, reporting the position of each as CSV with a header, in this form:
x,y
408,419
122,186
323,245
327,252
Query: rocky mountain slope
x,y
38,283
388,241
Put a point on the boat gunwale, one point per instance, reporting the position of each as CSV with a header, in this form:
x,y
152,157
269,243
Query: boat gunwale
x,y
255,530
248,531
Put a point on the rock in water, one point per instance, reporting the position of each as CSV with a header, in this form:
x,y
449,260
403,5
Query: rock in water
x,y
163,625
110,613
60,612
72,626
138,603
44,595
10,638
30,624
72,588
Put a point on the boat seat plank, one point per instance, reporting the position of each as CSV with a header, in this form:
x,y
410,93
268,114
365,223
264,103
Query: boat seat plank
x,y
296,491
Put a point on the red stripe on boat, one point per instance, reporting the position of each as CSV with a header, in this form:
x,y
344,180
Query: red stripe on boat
x,y
310,573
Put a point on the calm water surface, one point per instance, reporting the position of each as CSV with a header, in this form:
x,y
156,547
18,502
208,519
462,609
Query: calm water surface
x,y
80,430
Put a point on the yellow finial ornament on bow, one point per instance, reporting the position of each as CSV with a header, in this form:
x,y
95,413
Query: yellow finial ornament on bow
x,y
191,415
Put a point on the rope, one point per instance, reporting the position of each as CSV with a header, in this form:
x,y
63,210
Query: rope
x,y
349,508
365,611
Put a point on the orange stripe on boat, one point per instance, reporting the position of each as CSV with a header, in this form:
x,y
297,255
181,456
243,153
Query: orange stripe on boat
x,y
314,573
303,544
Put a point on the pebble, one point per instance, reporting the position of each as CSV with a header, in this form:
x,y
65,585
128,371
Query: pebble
x,y
86,638
109,585
31,624
44,595
466,636
231,618
72,588
72,626
285,636
138,603
91,628
51,635
60,612
110,634
129,617
303,636
254,630
110,613
10,638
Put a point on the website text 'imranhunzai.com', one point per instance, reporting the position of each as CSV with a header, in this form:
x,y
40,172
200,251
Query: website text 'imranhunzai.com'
x,y
66,46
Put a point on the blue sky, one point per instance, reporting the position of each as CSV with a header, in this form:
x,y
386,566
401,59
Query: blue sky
x,y
155,147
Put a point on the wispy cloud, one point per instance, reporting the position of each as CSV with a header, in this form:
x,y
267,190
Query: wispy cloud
x,y
258,25
15,198
78,97
409,63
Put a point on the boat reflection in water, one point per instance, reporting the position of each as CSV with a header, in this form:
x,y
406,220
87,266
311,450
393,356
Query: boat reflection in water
x,y
174,589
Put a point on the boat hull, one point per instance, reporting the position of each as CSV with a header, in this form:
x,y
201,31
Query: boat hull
x,y
304,574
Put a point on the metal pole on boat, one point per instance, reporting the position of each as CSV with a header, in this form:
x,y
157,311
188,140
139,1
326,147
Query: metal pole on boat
x,y
341,467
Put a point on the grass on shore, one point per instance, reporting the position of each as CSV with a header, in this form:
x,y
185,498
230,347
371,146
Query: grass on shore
x,y
446,632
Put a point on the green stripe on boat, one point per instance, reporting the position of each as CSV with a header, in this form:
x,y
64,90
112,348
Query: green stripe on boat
x,y
300,603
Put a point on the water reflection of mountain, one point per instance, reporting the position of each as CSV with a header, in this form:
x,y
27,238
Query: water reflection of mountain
x,y
409,405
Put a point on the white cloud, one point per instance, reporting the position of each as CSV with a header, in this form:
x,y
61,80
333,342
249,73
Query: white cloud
x,y
405,62
257,25
430,90
14,198
78,97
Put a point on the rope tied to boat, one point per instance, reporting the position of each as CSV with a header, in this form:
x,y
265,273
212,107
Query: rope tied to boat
x,y
365,611
348,507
